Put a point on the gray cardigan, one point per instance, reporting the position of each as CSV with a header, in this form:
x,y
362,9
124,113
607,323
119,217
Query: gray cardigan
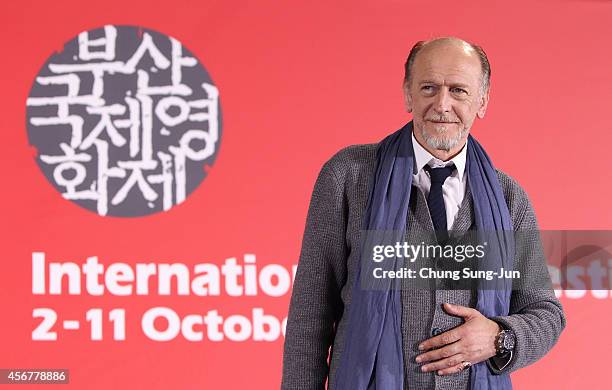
x,y
327,268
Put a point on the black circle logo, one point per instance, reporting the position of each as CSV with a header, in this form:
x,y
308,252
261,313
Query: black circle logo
x,y
126,121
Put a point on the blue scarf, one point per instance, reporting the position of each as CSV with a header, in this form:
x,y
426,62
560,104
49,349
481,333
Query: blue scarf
x,y
372,357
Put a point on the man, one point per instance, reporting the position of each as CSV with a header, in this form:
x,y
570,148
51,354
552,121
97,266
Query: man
x,y
429,176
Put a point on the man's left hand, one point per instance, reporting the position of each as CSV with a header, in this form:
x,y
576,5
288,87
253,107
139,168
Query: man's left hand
x,y
473,342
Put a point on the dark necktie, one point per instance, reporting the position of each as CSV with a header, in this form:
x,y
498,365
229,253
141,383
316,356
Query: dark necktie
x,y
435,200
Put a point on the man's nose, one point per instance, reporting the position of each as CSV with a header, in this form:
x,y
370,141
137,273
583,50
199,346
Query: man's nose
x,y
443,101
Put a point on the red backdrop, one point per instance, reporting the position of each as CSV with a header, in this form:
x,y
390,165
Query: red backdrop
x,y
298,81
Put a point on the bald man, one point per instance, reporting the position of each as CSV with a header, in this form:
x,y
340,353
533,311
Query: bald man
x,y
428,179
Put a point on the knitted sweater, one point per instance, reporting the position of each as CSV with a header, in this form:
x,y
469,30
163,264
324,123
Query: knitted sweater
x,y
328,264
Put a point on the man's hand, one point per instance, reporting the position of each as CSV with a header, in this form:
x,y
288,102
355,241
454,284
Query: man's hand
x,y
472,342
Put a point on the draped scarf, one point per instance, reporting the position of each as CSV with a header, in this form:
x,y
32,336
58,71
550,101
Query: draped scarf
x,y
372,357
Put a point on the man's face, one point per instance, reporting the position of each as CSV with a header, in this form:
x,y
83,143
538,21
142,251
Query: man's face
x,y
445,95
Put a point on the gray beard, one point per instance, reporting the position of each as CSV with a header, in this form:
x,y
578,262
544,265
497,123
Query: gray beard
x,y
442,143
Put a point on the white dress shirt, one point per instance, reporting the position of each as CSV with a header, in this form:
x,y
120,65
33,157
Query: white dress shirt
x,y
453,189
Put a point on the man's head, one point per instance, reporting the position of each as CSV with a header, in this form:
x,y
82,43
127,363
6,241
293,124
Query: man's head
x,y
446,86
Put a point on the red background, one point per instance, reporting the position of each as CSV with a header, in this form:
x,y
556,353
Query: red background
x,y
299,80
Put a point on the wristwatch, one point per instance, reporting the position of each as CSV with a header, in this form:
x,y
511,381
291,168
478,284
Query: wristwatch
x,y
505,342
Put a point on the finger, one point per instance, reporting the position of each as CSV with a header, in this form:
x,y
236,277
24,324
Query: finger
x,y
444,364
460,311
453,370
442,339
437,354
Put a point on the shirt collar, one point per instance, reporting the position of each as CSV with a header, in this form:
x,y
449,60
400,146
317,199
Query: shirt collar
x,y
422,157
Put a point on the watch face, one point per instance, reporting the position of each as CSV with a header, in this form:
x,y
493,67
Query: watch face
x,y
508,341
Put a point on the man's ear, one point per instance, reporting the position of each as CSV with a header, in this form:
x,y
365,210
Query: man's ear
x,y
407,97
484,102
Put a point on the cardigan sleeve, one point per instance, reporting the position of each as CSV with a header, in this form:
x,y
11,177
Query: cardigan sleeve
x,y
316,304
536,315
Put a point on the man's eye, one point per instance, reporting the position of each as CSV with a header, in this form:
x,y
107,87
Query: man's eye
x,y
458,90
427,88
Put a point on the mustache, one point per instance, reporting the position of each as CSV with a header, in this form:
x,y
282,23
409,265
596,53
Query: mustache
x,y
441,118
